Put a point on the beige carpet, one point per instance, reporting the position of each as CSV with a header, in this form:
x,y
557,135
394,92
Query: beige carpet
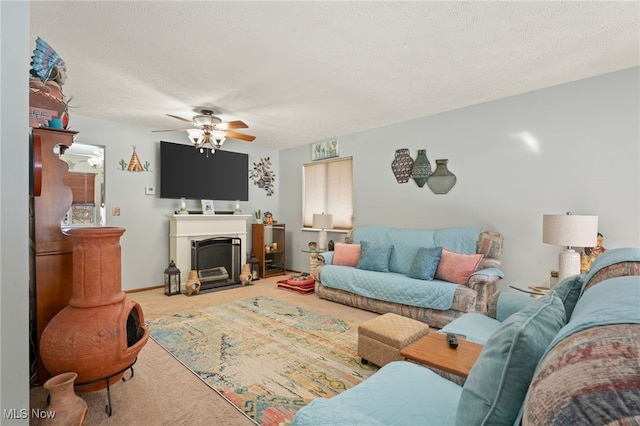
x,y
163,391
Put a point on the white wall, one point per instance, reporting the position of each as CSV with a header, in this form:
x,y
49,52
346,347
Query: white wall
x,y
145,243
14,207
584,157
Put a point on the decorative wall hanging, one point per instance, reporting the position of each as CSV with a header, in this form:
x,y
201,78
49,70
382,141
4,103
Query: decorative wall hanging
x,y
442,180
135,165
421,168
262,175
324,150
402,165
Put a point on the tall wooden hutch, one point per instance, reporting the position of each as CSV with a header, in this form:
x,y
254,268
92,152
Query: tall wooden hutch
x,y
51,267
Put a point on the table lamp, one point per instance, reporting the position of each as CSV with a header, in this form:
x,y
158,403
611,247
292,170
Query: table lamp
x,y
569,230
322,222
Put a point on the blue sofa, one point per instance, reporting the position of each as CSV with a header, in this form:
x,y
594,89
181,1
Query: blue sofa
x,y
390,288
569,357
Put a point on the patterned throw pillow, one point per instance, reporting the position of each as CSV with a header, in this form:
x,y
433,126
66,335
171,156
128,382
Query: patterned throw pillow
x,y
374,257
498,382
457,267
425,263
346,254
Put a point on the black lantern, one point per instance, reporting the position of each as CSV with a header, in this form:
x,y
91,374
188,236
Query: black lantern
x,y
172,279
254,266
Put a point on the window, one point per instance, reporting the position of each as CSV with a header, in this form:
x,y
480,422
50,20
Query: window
x,y
328,188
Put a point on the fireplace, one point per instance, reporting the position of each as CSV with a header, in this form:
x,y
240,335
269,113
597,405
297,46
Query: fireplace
x,y
217,261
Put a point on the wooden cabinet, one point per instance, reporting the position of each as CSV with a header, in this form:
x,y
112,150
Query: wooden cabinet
x,y
51,268
268,244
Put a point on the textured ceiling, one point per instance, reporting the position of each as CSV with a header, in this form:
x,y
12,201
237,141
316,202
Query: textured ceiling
x,y
302,72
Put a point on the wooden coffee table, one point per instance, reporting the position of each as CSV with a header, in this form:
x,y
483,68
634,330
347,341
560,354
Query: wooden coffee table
x,y
433,350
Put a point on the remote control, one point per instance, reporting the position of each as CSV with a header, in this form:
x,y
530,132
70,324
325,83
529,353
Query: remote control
x,y
453,340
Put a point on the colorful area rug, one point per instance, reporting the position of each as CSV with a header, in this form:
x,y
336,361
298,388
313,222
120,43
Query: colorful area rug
x,y
267,357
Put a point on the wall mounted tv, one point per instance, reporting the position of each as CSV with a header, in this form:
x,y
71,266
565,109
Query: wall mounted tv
x,y
185,172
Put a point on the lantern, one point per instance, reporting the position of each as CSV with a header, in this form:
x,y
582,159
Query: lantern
x,y
254,266
172,279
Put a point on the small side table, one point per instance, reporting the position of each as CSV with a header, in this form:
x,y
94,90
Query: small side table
x,y
314,263
527,286
433,350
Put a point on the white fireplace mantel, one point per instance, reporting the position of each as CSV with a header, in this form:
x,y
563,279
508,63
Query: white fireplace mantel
x,y
185,228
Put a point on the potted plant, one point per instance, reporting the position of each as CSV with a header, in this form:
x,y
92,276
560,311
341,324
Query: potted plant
x,y
258,215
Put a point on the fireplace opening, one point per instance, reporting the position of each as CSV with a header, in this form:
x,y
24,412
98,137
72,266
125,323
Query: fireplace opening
x,y
217,261
135,332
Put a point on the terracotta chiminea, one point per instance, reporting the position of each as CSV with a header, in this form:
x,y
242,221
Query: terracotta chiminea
x,y
101,332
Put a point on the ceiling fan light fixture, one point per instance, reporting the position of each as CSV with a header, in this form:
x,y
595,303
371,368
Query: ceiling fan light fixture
x,y
207,119
195,136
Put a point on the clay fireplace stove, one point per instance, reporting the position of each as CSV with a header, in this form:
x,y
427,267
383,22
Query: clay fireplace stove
x,y
100,333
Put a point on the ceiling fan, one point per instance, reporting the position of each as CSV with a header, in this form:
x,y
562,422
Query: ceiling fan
x,y
210,130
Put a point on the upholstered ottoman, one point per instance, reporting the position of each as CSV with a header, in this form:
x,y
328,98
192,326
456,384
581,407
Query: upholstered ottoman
x,y
381,339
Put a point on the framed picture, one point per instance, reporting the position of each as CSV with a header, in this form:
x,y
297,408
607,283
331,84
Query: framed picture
x,y
207,207
324,150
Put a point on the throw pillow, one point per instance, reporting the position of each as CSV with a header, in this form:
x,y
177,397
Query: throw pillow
x,y
346,254
569,291
374,257
425,263
457,267
498,382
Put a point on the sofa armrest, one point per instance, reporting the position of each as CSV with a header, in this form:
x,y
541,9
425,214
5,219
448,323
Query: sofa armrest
x,y
485,283
503,304
326,257
318,262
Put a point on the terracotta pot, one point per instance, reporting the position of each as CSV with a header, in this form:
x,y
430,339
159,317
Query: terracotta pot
x,y
101,332
70,409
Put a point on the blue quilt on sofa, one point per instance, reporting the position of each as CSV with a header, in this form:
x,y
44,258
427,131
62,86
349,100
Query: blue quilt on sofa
x,y
395,286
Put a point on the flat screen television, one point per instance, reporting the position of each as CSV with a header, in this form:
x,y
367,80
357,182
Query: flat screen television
x,y
185,172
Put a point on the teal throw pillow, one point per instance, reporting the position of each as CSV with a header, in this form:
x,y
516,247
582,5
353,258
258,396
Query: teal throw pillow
x,y
425,263
374,257
569,291
498,382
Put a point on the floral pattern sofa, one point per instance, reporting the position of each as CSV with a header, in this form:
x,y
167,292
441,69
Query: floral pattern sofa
x,y
433,276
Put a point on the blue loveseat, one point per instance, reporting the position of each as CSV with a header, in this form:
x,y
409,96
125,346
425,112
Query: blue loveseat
x,y
570,357
388,286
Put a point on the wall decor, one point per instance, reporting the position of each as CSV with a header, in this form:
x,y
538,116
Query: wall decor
x,y
207,207
442,180
402,165
134,165
262,175
324,150
421,168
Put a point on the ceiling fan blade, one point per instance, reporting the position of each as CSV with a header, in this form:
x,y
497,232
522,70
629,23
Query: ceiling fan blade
x,y
231,125
180,118
172,130
236,135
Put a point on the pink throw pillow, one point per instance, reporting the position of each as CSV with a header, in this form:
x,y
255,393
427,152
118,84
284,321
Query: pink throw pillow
x,y
457,267
346,254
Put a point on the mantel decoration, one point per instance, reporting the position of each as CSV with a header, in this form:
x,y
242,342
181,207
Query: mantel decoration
x,y
134,165
262,175
324,150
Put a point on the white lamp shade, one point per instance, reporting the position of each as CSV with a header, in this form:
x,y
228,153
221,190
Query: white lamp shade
x,y
323,221
194,136
570,230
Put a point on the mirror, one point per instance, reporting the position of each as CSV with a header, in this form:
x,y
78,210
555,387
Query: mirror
x,y
87,182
